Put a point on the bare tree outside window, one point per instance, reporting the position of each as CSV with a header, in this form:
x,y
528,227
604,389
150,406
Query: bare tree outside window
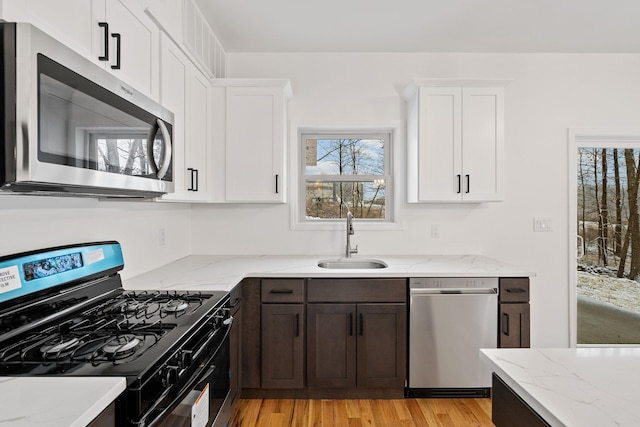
x,y
608,286
346,172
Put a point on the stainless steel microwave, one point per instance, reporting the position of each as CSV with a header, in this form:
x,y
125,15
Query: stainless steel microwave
x,y
71,128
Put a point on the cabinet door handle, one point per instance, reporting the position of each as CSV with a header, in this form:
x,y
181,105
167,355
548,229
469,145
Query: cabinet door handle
x,y
350,324
468,184
297,324
117,37
361,324
281,291
105,26
190,179
196,180
505,324
459,184
276,183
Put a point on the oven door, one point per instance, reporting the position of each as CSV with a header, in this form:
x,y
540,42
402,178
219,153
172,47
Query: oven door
x,y
205,402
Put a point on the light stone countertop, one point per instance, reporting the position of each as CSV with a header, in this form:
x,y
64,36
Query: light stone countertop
x,y
55,401
222,273
581,387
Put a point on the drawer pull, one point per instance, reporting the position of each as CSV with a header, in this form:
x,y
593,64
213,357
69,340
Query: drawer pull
x,y
281,291
505,324
516,290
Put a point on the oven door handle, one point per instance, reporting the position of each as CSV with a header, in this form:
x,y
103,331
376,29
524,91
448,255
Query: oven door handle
x,y
206,368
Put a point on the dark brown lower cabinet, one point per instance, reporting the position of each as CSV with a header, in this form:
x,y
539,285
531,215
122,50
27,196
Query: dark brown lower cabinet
x,y
331,345
282,346
356,345
514,313
509,410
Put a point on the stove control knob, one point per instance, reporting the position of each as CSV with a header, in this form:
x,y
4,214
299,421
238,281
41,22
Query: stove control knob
x,y
170,375
186,358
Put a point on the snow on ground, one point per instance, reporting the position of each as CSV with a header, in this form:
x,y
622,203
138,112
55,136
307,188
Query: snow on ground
x,y
623,293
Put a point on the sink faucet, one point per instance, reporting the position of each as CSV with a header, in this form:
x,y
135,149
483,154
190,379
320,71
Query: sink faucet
x,y
350,231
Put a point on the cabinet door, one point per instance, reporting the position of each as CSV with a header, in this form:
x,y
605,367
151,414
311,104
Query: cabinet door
x,y
482,143
331,345
282,346
381,345
69,21
514,326
186,92
197,132
439,144
173,90
255,137
137,49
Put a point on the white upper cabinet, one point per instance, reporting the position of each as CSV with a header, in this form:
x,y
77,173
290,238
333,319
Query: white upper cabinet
x,y
186,92
255,139
184,22
134,45
115,34
455,142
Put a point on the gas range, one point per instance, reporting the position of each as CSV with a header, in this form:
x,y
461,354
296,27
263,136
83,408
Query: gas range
x,y
63,312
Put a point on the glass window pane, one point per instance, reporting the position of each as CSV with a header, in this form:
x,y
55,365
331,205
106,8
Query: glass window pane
x,y
608,292
339,156
328,200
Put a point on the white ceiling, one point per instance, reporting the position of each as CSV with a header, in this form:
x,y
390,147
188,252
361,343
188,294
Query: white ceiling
x,y
425,25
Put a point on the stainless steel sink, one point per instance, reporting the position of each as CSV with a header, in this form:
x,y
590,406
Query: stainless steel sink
x,y
351,263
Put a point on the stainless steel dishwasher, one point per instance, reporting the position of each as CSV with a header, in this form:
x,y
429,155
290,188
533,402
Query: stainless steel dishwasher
x,y
450,320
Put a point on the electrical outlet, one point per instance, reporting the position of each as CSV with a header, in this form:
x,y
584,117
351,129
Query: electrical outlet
x,y
435,231
542,224
161,237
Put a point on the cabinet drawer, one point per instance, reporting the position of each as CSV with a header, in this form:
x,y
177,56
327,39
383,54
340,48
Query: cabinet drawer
x,y
357,290
514,289
283,290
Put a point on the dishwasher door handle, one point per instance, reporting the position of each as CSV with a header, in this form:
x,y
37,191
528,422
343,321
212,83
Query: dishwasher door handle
x,y
454,291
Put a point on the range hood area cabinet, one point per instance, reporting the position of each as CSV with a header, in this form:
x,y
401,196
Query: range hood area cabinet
x,y
115,34
186,91
455,140
250,116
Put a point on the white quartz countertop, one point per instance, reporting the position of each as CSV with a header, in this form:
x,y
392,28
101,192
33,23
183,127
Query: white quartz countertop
x,y
55,402
580,387
217,272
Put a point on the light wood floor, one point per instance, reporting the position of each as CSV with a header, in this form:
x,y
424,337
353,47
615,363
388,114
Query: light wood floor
x,y
371,413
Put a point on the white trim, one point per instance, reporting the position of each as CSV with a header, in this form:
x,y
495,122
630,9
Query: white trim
x,y
297,178
621,138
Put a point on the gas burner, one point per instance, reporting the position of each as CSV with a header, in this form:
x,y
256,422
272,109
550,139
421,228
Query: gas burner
x,y
175,305
59,346
134,307
121,346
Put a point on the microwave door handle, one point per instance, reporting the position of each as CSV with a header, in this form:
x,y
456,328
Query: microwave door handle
x,y
166,159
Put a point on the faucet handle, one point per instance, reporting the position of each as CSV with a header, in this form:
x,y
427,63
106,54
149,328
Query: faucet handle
x,y
355,250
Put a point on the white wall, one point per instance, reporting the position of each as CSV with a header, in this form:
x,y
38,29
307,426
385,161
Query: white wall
x,y
32,222
548,95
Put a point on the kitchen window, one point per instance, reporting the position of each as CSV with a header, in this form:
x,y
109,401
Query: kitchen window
x,y
345,171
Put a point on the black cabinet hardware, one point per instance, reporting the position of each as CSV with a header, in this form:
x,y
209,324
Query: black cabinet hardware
x,y
459,184
505,324
281,291
117,37
105,26
468,184
276,183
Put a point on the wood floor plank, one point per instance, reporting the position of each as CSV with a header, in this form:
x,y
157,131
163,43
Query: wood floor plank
x,y
363,413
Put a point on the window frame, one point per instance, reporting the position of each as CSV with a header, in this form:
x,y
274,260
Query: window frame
x,y
387,134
